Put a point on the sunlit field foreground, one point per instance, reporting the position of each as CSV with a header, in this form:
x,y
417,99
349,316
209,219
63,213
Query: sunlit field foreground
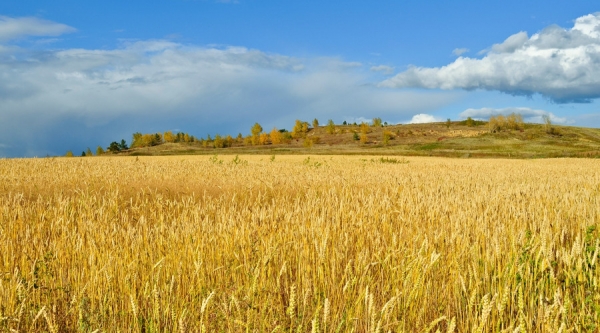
x,y
298,244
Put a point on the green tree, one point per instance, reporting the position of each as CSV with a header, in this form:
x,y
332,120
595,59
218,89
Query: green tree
x,y
114,147
123,145
88,152
99,151
470,122
448,123
315,123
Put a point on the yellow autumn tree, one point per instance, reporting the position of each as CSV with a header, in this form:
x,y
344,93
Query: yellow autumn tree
x,y
229,141
256,130
330,128
218,142
263,139
169,137
364,128
514,121
276,136
300,129
363,138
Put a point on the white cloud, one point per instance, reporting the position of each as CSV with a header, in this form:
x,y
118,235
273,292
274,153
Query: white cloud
x,y
383,68
460,51
12,28
529,115
511,43
423,118
560,64
357,120
156,85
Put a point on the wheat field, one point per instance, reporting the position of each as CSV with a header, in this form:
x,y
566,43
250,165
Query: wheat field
x,y
299,244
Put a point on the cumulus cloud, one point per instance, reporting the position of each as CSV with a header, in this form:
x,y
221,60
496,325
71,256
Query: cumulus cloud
x,y
529,115
383,69
12,28
562,65
357,120
459,52
511,43
423,118
75,98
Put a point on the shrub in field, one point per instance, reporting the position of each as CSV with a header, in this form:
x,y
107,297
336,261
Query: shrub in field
x,y
330,128
513,121
365,128
363,138
386,137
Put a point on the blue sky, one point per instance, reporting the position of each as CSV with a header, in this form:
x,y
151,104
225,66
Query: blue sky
x,y
77,74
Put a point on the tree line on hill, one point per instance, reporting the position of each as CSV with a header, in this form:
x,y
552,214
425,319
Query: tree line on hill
x,y
258,136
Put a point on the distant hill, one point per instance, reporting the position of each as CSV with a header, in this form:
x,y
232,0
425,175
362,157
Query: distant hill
x,y
454,139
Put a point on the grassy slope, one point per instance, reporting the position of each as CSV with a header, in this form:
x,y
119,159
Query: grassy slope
x,y
433,139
